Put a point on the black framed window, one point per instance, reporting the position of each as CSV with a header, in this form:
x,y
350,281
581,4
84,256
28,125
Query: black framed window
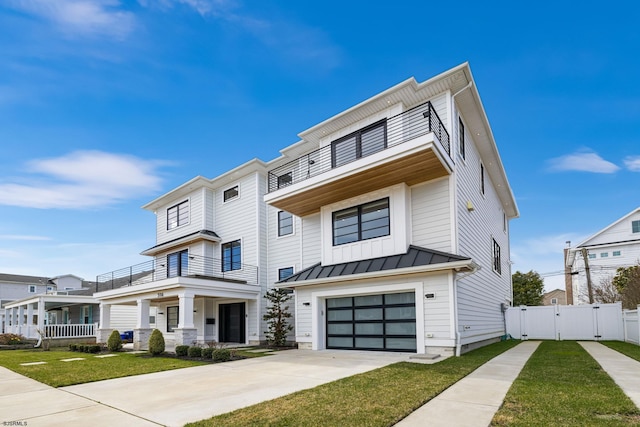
x,y
178,264
283,273
362,143
173,316
285,179
363,222
231,256
497,262
285,223
461,137
231,193
178,215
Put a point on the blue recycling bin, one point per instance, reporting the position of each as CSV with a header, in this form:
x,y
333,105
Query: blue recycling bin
x,y
127,336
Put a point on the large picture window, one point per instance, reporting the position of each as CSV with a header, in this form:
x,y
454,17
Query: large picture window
x,y
178,215
172,318
285,223
363,222
231,256
362,143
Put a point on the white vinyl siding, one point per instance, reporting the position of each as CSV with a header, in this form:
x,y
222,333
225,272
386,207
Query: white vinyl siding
x,y
196,210
311,247
431,215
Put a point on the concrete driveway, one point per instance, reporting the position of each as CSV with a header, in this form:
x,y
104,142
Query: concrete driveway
x,y
173,398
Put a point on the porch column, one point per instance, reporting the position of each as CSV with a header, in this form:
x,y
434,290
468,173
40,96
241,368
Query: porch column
x,y
142,332
29,329
11,322
185,333
41,315
104,327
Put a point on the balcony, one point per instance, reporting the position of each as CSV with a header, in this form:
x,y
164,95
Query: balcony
x,y
186,265
411,147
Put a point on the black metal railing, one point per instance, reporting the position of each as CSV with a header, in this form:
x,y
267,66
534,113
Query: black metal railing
x,y
186,266
400,128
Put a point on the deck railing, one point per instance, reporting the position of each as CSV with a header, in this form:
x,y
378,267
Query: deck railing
x,y
70,331
176,265
400,128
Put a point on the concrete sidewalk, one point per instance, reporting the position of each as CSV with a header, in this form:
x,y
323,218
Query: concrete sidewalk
x,y
474,400
624,370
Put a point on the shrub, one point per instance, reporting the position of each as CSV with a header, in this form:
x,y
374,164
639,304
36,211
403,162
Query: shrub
x,y
181,350
207,353
82,347
277,317
156,343
73,347
195,352
94,348
221,355
114,343
11,339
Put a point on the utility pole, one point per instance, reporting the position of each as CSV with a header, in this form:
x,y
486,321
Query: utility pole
x,y
585,256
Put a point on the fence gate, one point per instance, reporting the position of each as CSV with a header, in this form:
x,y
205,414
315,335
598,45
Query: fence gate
x,y
566,322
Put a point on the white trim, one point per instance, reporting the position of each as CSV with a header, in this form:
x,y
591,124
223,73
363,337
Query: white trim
x,y
293,225
238,196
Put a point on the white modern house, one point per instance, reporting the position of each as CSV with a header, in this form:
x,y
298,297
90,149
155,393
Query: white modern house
x,y
617,245
389,222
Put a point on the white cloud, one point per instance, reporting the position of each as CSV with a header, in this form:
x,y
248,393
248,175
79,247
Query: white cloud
x,y
81,17
632,163
23,237
82,179
586,161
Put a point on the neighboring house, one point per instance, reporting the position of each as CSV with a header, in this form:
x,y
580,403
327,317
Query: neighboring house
x,y
390,221
617,245
555,297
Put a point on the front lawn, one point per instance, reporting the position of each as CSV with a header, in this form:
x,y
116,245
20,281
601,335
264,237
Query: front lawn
x,y
57,373
562,385
380,397
628,349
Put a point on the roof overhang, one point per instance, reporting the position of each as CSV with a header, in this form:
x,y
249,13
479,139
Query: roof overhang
x,y
190,238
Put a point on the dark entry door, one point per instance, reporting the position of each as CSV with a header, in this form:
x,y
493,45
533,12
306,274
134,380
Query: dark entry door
x,y
232,322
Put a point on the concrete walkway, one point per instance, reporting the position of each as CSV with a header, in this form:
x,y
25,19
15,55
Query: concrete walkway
x,y
624,370
474,400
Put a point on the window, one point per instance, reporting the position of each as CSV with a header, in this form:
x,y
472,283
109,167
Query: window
x,y
554,301
285,179
481,178
231,193
231,256
178,264
285,223
635,226
172,318
461,137
617,253
363,222
362,143
32,289
592,256
178,215
604,254
497,264
283,273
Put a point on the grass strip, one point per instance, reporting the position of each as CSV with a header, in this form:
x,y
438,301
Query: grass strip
x,y
628,349
562,385
58,374
380,397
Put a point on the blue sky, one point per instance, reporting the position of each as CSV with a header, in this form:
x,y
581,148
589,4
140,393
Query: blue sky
x,y
107,104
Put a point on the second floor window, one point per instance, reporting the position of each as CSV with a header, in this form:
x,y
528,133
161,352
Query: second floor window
x,y
363,222
635,226
230,194
362,143
283,273
231,256
461,137
178,215
178,264
497,261
285,223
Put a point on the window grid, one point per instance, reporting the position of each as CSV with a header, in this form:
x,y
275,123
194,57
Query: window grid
x,y
285,223
497,264
363,222
230,193
178,215
231,256
635,226
617,253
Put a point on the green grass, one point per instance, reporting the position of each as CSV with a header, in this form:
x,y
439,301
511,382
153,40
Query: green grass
x,y
380,397
562,385
58,374
628,349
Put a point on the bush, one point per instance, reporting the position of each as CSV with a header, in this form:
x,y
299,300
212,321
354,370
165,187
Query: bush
x,y
156,343
11,339
195,352
73,347
221,355
181,350
207,353
94,348
114,343
82,347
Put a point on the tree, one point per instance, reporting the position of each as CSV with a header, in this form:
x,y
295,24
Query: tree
x,y
627,283
276,317
527,288
606,292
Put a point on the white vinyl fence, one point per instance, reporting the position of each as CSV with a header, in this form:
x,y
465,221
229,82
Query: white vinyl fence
x,y
567,322
631,326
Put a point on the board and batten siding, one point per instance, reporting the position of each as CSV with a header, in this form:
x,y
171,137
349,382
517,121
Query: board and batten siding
x,y
481,293
196,204
431,215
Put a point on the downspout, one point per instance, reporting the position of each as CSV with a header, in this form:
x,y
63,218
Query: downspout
x,y
463,89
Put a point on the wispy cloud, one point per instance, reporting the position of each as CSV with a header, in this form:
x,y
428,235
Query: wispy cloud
x,y
582,161
23,237
81,18
632,163
82,179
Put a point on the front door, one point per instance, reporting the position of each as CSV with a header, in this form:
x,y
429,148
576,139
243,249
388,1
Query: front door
x,y
232,322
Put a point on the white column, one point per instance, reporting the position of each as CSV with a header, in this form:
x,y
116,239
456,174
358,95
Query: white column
x,y
143,314
29,328
186,310
10,320
41,315
105,316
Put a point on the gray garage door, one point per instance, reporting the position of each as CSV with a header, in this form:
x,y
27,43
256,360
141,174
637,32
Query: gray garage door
x,y
372,322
